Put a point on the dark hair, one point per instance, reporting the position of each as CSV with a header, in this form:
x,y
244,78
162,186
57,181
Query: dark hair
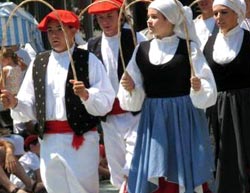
x,y
34,142
9,53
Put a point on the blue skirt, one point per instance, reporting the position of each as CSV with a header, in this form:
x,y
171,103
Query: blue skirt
x,y
172,142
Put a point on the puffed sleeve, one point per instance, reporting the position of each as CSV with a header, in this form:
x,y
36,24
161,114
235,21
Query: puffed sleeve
x,y
132,101
25,109
207,95
101,92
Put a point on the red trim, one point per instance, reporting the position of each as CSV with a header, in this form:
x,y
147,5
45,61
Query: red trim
x,y
206,188
169,187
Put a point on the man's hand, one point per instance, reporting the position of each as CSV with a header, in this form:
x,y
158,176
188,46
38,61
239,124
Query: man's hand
x,y
9,100
80,89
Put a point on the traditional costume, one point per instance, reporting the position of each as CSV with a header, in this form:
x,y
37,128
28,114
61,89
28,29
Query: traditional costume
x,y
119,126
228,57
66,124
172,152
204,28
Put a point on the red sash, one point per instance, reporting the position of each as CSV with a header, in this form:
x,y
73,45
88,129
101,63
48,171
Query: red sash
x,y
57,127
116,109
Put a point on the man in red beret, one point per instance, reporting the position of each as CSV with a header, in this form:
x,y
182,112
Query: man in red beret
x,y
66,109
119,127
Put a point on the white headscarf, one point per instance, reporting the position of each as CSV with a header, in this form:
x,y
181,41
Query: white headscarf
x,y
177,14
238,6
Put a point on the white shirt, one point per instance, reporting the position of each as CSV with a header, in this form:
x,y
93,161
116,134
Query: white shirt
x,y
110,50
226,47
30,162
30,50
166,49
23,54
204,29
101,94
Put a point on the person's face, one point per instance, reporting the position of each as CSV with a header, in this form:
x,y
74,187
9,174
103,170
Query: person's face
x,y
248,8
35,148
5,61
56,36
205,5
108,22
225,18
158,25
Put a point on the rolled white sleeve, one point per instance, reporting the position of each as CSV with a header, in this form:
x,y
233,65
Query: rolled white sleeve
x,y
207,95
132,101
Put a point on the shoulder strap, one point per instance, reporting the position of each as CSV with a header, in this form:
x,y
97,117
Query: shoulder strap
x,y
39,70
94,46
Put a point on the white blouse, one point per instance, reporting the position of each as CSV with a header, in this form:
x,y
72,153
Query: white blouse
x,y
162,51
204,29
101,93
110,51
226,47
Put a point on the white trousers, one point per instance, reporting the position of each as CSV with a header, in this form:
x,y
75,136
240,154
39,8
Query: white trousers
x,y
67,170
120,132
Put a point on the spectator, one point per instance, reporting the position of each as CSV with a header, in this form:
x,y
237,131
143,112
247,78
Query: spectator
x,y
12,74
246,23
205,23
8,161
30,161
11,78
22,54
103,165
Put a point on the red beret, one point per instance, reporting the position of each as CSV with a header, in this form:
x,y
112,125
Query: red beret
x,y
29,140
67,18
105,6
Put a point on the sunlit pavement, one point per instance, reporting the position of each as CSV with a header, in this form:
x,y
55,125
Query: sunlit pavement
x,y
106,187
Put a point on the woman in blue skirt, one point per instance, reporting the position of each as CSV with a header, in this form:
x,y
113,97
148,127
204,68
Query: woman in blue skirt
x,y
173,152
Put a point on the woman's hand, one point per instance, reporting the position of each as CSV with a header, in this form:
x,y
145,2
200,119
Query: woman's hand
x,y
195,83
127,82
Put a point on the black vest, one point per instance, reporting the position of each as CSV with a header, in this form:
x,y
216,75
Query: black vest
x,y
234,75
79,119
127,44
165,80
